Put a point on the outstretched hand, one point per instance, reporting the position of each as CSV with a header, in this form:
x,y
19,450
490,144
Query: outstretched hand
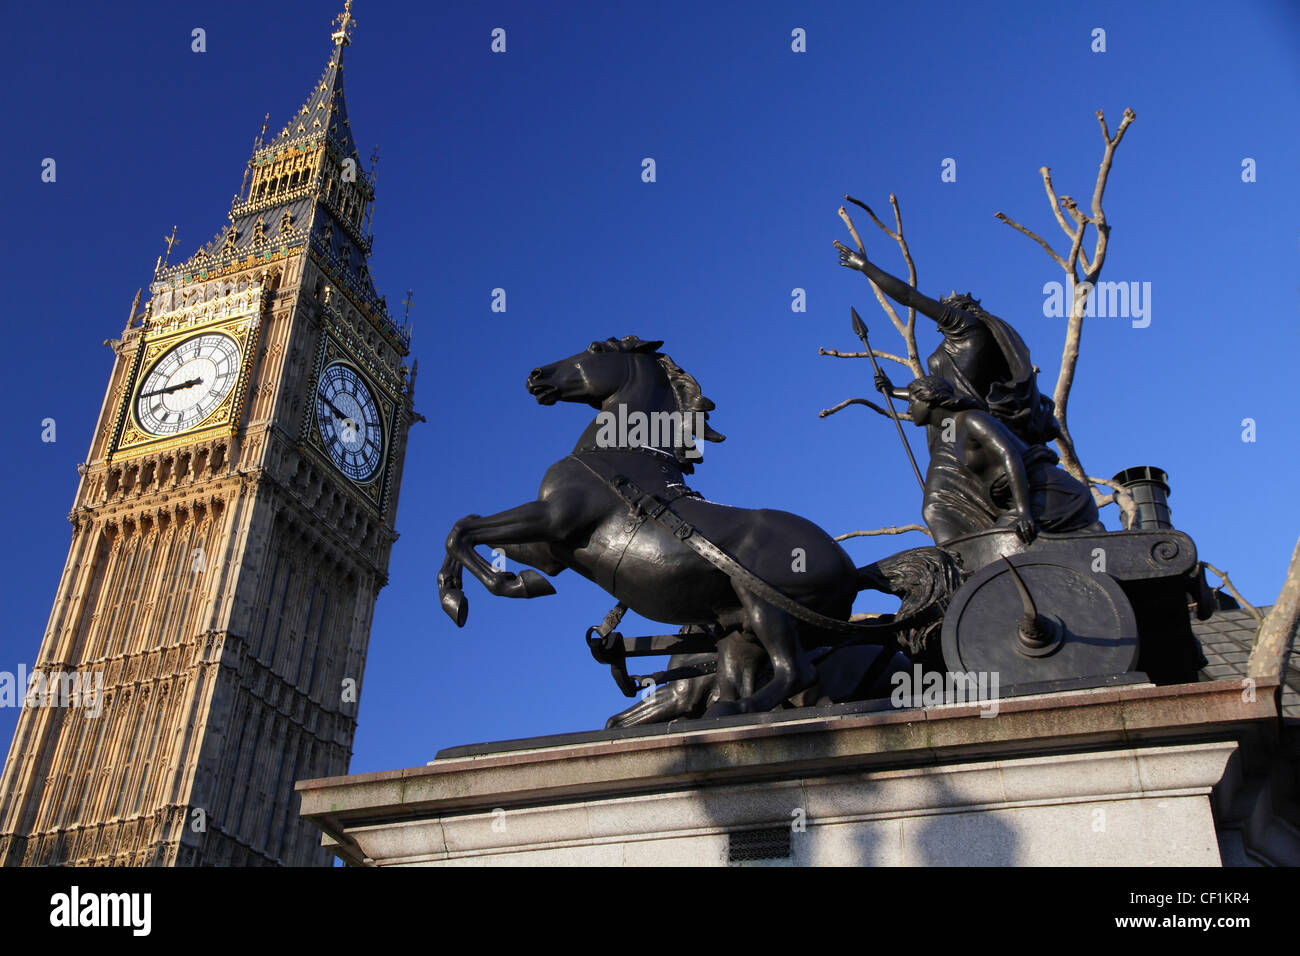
x,y
883,384
850,259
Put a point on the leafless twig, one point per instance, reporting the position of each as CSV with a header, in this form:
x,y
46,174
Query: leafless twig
x,y
892,529
1120,496
1276,636
1075,228
1032,235
1254,611
906,329
876,352
851,401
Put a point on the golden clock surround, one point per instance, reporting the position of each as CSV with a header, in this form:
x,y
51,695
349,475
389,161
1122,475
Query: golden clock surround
x,y
131,439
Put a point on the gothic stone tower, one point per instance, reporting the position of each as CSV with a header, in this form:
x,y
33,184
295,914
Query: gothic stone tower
x,y
231,533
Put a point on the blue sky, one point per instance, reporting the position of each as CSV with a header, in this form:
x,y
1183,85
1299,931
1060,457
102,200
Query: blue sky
x,y
522,171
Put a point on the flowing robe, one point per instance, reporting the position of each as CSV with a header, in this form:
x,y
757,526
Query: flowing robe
x,y
1059,503
986,361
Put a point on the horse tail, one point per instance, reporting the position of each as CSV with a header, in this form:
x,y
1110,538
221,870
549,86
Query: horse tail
x,y
925,580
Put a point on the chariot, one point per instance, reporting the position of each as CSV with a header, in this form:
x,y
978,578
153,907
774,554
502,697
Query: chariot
x,y
1061,610
758,632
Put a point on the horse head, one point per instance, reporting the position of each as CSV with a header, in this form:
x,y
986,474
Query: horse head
x,y
625,378
592,376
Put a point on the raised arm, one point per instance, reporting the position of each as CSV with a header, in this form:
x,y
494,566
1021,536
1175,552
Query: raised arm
x,y
892,286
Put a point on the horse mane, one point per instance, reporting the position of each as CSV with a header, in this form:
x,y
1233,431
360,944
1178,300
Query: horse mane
x,y
686,390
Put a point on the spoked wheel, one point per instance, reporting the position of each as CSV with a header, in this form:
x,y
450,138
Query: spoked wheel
x,y
1032,619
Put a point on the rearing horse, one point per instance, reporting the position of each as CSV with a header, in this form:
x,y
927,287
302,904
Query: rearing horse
x,y
579,521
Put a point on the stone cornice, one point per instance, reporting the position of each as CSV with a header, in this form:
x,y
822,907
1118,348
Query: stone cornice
x,y
744,750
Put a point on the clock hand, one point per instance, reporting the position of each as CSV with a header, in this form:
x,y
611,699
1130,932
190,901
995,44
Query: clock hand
x,y
338,413
172,388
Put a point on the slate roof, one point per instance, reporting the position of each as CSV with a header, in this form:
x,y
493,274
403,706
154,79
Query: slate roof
x,y
1227,637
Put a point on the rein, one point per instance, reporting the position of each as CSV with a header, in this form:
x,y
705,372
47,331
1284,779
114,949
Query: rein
x,y
647,504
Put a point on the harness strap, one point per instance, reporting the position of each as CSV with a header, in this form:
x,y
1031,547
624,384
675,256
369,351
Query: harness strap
x,y
652,506
606,645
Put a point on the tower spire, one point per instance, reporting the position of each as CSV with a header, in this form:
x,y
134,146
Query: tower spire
x,y
344,24
306,188
325,112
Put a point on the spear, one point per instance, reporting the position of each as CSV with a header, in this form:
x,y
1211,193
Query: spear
x,y
860,328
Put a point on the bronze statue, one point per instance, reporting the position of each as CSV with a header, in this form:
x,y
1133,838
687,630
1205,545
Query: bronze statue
x,y
986,362
619,513
764,598
1019,483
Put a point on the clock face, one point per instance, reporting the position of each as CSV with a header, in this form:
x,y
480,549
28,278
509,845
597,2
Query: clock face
x,y
187,384
349,421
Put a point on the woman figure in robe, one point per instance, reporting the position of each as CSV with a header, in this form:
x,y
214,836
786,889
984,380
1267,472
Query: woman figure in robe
x,y
985,361
1018,483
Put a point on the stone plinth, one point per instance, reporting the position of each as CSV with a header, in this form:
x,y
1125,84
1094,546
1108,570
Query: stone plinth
x,y
1135,775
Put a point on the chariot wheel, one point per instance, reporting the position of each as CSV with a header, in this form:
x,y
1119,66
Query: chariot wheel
x,y
1032,619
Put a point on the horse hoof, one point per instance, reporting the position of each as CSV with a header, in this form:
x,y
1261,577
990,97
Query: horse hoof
x,y
526,584
456,605
535,585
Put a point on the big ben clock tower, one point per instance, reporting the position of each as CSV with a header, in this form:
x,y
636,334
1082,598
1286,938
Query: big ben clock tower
x,y
231,532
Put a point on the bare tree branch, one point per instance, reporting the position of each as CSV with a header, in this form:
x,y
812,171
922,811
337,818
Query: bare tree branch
x,y
1277,636
912,353
1121,498
1099,217
1076,247
1065,381
851,401
1106,482
892,529
1034,236
1063,206
1054,202
853,230
908,329
890,356
1254,611
874,218
1077,214
880,296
